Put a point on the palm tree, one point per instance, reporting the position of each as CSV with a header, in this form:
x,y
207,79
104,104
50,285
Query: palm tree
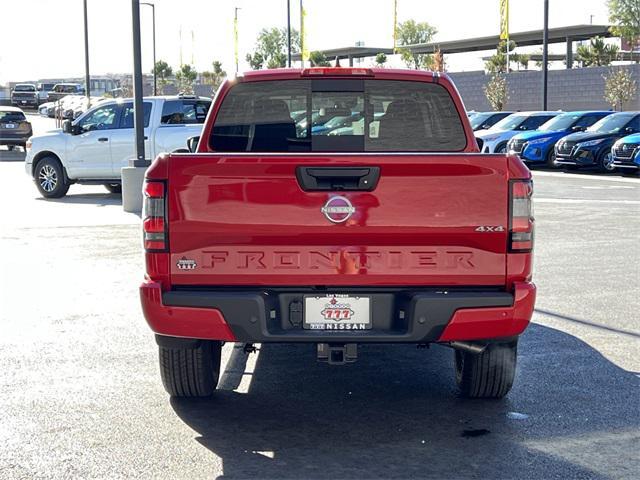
x,y
597,53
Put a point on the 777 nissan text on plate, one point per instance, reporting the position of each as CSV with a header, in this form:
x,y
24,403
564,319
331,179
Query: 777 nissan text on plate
x,y
338,206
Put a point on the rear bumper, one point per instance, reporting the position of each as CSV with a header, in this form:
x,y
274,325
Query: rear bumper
x,y
399,316
15,139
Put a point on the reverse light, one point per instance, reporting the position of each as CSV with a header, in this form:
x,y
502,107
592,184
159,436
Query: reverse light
x,y
521,221
154,225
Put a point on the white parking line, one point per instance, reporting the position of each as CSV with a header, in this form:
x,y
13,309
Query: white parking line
x,y
573,176
586,200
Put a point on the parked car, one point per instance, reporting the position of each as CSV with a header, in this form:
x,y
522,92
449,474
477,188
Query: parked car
x,y
537,147
626,153
269,235
15,129
24,95
486,120
94,148
43,91
336,122
494,140
47,109
592,148
63,89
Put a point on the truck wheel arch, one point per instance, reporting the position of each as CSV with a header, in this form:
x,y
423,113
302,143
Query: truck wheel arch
x,y
44,154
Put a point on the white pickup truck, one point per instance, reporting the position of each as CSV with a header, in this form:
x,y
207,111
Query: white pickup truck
x,y
94,148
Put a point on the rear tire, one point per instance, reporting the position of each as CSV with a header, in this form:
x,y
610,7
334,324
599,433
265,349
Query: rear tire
x,y
501,148
191,372
50,178
113,187
489,374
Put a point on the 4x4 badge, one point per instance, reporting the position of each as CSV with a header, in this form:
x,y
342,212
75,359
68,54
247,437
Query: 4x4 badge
x,y
338,209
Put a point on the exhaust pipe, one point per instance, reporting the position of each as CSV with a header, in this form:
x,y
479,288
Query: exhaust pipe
x,y
474,348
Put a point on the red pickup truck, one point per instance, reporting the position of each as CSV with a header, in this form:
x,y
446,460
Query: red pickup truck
x,y
338,206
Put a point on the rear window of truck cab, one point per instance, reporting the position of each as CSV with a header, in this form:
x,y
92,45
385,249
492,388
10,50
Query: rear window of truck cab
x,y
337,115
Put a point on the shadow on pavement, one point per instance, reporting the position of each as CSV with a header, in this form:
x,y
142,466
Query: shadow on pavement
x,y
101,199
395,413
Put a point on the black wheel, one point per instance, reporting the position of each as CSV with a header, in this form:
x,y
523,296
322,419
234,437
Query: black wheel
x,y
488,374
191,372
502,148
551,158
113,187
50,178
10,148
605,162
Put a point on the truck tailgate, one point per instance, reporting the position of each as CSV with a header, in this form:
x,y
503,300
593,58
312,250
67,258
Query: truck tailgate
x,y
244,219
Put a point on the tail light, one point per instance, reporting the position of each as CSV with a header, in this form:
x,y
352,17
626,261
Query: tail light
x,y
521,220
154,225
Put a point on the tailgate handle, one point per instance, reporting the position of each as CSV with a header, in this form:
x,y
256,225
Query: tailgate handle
x,y
338,178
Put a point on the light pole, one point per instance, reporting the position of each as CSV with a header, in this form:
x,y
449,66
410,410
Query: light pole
x,y
153,12
87,78
235,37
545,54
289,33
138,112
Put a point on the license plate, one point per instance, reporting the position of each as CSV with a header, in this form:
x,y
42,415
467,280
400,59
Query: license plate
x,y
24,101
9,125
337,312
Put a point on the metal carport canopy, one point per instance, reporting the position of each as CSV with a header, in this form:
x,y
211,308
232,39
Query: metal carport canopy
x,y
534,37
349,52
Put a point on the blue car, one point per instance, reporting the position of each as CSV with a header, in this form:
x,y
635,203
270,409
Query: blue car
x,y
626,153
537,147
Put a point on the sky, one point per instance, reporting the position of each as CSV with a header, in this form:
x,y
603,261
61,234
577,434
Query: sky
x,y
46,38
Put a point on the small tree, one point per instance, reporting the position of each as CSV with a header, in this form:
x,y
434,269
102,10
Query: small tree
x,y
496,91
381,59
498,62
214,77
412,33
317,59
185,78
625,17
597,53
271,48
619,88
523,60
163,72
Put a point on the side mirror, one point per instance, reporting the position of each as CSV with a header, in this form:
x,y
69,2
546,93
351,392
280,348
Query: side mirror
x,y
480,143
192,143
578,128
67,127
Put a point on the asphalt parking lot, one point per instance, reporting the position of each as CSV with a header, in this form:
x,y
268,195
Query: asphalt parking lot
x,y
82,395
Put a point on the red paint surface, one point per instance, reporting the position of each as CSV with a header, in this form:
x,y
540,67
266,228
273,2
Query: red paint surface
x,y
487,323
203,323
